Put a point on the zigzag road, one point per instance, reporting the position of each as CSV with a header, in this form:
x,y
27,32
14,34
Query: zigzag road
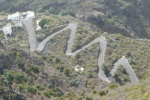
x,y
73,27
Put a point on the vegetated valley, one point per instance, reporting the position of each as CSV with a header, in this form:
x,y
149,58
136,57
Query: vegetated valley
x,y
34,75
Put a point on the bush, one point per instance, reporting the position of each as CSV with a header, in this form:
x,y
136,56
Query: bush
x,y
102,93
52,10
128,54
106,71
54,81
67,72
124,71
113,86
67,12
94,92
125,79
14,76
73,82
57,92
88,98
47,94
36,69
90,75
31,89
42,23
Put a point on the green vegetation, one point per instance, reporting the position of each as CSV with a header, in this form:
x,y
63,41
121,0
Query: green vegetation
x,y
67,12
124,3
52,75
12,76
105,69
73,82
42,23
121,75
102,93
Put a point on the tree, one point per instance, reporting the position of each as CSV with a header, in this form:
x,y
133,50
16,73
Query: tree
x,y
11,8
52,10
55,81
128,54
67,72
73,82
88,98
115,75
124,71
106,71
42,23
102,93
31,89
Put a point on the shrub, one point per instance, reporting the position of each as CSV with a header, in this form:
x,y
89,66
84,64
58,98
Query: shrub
x,y
88,98
124,71
128,54
106,71
14,76
42,23
73,82
36,69
57,92
102,93
67,72
67,12
31,89
115,76
52,10
55,81
89,75
113,86
125,79
94,92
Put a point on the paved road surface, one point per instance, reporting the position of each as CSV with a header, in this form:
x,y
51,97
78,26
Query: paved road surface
x,y
31,32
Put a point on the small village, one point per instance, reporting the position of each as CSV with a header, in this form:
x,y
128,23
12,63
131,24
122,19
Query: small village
x,y
15,20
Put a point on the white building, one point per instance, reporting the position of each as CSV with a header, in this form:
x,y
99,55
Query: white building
x,y
7,30
14,17
28,14
17,16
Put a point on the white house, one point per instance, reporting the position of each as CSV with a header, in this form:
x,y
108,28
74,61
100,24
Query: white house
x,y
14,17
17,16
7,30
28,14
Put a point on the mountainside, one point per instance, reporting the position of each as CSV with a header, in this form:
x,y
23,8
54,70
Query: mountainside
x,y
128,17
77,49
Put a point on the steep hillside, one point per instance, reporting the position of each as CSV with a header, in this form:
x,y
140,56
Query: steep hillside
x,y
128,17
36,76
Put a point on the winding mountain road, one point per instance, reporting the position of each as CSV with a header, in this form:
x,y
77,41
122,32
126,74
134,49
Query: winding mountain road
x,y
73,27
28,23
